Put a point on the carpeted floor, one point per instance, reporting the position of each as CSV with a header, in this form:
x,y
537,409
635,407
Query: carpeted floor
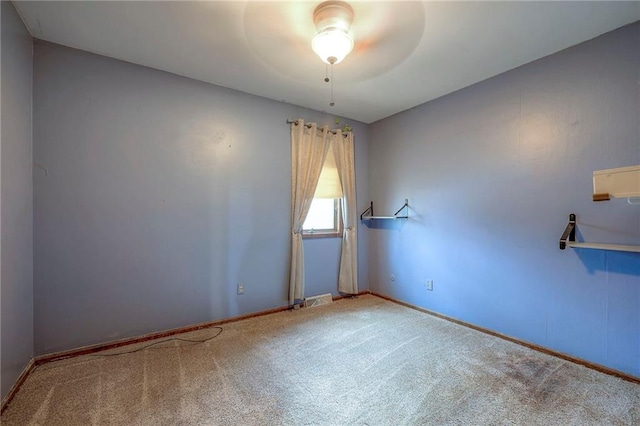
x,y
362,361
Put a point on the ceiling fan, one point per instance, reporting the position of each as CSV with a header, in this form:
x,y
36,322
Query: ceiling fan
x,y
383,34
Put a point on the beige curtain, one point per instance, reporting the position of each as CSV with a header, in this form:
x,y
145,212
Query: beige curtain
x,y
309,146
343,152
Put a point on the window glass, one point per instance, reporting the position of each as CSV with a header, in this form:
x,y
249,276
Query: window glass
x,y
322,215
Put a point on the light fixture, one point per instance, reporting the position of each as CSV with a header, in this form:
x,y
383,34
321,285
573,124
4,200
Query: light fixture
x,y
332,41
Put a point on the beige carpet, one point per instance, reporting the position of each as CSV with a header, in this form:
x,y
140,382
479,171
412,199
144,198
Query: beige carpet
x,y
362,361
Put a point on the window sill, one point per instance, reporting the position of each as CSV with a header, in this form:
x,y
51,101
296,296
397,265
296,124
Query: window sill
x,y
321,235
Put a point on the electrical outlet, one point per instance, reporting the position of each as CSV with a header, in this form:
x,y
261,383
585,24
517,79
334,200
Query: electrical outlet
x,y
240,289
429,285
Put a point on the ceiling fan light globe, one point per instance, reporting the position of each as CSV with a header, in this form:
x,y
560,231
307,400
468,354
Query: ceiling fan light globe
x,y
332,46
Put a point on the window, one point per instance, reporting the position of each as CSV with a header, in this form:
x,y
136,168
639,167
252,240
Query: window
x,y
325,216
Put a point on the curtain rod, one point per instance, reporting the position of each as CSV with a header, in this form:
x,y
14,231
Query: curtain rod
x,y
308,125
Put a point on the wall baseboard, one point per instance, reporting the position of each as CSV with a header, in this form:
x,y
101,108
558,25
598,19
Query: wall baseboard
x,y
85,350
538,348
349,296
16,386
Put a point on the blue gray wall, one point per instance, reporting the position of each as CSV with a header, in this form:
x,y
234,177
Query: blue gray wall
x,y
16,199
160,194
492,173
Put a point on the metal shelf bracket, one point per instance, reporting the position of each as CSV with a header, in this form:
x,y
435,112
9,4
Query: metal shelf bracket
x,y
368,213
568,239
569,232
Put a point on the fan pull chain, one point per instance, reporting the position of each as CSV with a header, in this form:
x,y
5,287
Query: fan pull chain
x,y
332,103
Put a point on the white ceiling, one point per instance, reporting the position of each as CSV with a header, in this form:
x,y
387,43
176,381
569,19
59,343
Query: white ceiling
x,y
406,53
